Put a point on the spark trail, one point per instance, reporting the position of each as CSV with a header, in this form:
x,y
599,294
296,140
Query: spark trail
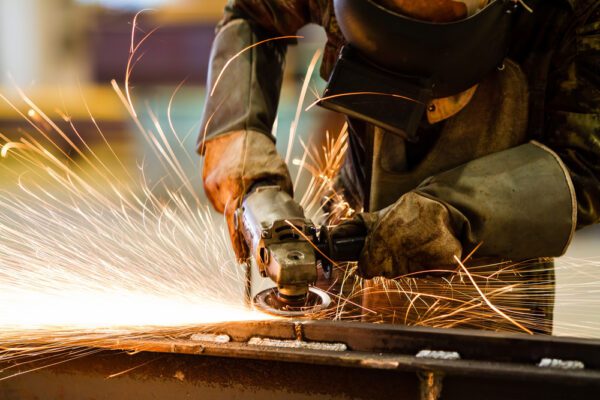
x,y
80,247
88,257
92,252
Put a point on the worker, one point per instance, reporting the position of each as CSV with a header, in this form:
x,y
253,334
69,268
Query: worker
x,y
492,141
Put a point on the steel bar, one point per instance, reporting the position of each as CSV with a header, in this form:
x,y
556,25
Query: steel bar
x,y
324,359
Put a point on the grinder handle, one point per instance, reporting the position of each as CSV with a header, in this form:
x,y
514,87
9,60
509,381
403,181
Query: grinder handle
x,y
341,245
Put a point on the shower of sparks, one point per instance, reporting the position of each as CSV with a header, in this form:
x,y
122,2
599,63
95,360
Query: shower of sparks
x,y
81,247
510,297
90,255
507,297
321,199
93,254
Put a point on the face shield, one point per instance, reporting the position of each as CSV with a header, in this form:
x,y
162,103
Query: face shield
x,y
393,65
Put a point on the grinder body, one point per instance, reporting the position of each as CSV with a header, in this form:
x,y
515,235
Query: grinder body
x,y
288,248
277,232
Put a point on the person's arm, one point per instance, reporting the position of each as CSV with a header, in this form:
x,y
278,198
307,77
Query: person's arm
x,y
247,94
515,204
527,208
241,107
520,203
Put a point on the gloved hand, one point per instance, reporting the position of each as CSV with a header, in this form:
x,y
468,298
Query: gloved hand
x,y
235,162
413,234
516,204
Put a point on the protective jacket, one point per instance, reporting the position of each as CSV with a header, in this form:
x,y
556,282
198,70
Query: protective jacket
x,y
548,92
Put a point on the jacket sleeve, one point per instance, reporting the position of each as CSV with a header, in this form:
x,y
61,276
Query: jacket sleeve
x,y
572,126
518,203
526,202
243,94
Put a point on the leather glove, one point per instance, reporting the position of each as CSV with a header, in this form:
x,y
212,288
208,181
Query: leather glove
x,y
233,164
413,234
517,204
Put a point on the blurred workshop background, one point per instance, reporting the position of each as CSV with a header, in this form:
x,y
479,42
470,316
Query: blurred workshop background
x,y
64,53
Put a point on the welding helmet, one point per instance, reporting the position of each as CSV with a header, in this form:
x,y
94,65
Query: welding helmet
x,y
400,63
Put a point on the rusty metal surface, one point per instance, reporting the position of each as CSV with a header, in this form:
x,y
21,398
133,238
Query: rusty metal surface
x,y
170,376
359,361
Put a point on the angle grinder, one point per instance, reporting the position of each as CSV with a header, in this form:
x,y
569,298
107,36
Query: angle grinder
x,y
288,248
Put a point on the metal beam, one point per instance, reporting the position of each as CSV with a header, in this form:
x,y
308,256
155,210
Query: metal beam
x,y
300,359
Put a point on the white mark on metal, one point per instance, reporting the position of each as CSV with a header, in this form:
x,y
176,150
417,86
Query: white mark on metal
x,y
297,344
210,337
561,364
438,355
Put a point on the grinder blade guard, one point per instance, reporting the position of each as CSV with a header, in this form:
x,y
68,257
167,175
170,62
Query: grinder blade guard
x,y
272,302
279,239
287,249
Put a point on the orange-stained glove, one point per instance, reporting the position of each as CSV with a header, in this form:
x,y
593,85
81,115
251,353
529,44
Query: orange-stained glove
x,y
233,164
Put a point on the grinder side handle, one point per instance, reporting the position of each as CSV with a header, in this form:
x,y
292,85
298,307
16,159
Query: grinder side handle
x,y
341,245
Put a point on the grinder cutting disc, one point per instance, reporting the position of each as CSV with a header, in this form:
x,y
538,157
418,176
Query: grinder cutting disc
x,y
270,302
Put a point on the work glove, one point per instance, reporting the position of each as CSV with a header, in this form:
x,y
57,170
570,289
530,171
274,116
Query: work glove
x,y
516,204
411,235
233,164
